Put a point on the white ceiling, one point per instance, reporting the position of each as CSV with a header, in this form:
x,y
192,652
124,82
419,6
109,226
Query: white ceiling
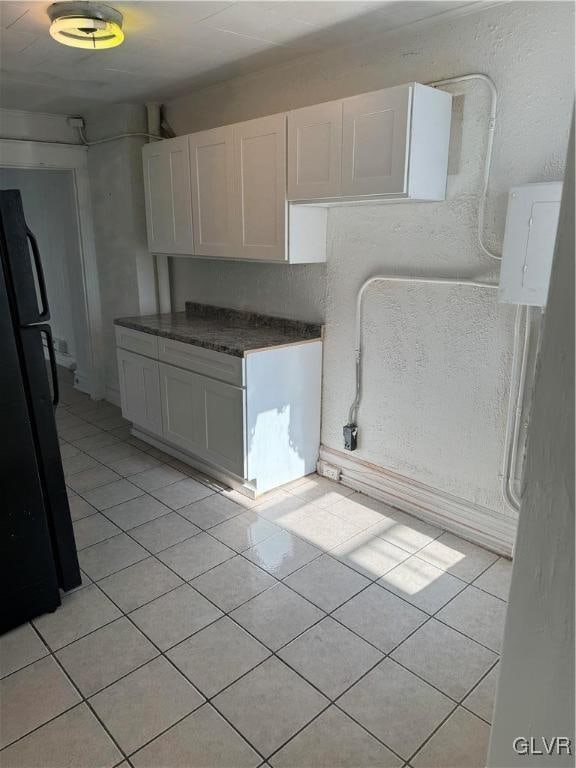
x,y
171,47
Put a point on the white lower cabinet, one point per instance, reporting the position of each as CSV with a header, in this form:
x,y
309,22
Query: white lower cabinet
x,y
223,407
140,391
258,433
203,416
182,411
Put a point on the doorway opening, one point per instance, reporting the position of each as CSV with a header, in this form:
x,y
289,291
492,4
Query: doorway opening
x,y
50,209
53,181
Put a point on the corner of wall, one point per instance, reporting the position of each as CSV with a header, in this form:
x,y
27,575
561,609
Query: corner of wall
x,y
113,119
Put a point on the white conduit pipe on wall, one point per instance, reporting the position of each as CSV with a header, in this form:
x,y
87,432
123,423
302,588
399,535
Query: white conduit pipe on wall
x,y
164,302
517,382
353,412
518,378
87,143
163,294
489,149
518,409
517,386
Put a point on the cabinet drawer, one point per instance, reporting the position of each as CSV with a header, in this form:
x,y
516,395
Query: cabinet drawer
x,y
205,361
137,341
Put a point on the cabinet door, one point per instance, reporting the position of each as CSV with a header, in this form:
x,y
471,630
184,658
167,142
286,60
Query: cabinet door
x,y
260,176
204,417
167,193
315,151
140,391
224,417
182,408
212,172
375,142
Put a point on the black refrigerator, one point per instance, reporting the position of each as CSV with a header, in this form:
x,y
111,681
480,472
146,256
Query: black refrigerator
x,y
37,549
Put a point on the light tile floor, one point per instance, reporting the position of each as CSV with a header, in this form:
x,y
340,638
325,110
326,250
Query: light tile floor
x,y
311,628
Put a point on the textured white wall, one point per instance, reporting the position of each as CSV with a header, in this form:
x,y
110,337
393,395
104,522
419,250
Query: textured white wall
x,y
126,268
125,265
438,359
536,686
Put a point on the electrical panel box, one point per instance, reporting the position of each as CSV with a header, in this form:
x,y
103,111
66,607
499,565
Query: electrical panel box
x,y
529,239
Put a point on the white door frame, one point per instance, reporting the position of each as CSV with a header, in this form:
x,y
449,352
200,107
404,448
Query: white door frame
x,y
74,158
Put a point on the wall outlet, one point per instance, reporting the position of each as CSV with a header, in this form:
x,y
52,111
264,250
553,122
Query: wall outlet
x,y
330,471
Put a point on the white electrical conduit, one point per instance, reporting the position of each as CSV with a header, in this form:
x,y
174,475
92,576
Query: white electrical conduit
x,y
515,400
353,412
489,148
515,403
507,490
516,396
519,405
87,143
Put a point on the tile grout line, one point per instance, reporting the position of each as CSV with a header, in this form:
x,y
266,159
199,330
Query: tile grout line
x,y
466,584
474,687
273,653
163,654
413,553
306,501
83,700
144,448
421,747
209,700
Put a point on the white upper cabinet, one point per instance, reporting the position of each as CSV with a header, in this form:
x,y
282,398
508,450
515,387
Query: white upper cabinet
x,y
239,190
213,191
259,190
167,192
260,175
314,151
388,144
374,141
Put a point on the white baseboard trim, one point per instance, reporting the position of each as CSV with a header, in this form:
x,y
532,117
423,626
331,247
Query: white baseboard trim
x,y
113,396
226,478
82,382
65,360
471,521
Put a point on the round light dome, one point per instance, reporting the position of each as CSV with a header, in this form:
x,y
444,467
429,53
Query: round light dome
x,y
86,25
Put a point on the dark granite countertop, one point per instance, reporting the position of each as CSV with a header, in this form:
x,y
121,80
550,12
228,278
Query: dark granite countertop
x,y
230,331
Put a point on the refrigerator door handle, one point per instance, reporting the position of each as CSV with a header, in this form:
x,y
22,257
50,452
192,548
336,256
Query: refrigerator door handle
x,y
53,369
45,313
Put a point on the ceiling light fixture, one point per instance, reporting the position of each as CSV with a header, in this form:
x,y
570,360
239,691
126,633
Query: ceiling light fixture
x,y
93,26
